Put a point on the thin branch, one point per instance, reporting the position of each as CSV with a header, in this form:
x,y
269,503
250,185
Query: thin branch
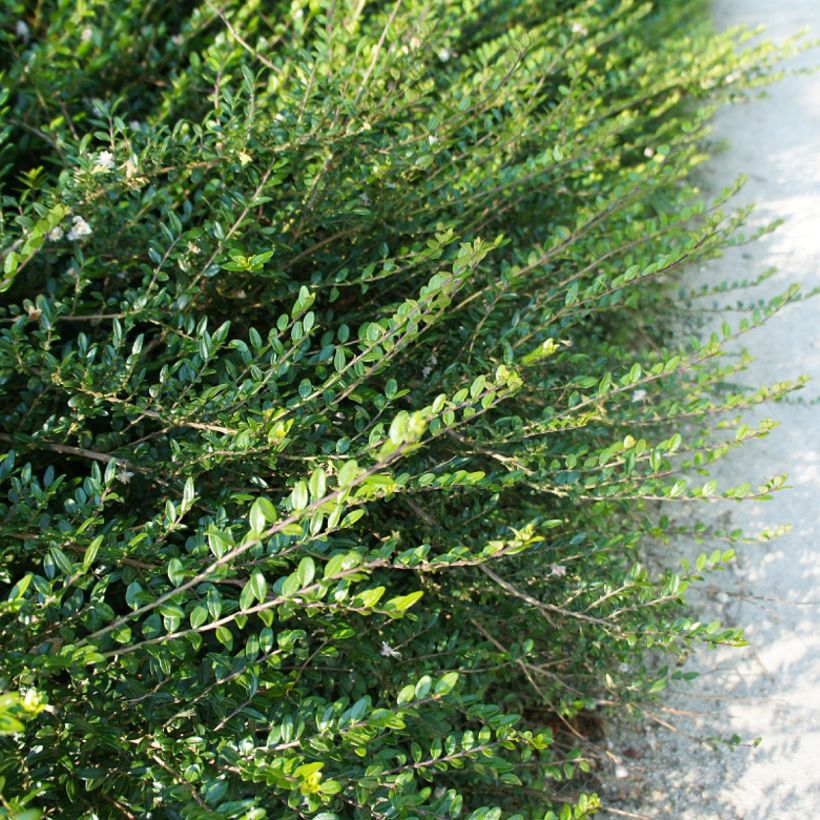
x,y
66,449
242,42
544,607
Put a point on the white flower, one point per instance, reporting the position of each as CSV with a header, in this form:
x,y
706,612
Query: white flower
x,y
104,163
444,55
432,139
558,570
639,395
577,28
178,39
415,43
649,152
87,34
621,772
22,30
426,371
388,651
124,475
55,234
79,228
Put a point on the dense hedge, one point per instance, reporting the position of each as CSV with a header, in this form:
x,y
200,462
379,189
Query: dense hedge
x,y
334,404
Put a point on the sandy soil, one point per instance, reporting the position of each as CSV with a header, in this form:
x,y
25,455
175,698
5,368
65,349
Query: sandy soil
x,y
771,689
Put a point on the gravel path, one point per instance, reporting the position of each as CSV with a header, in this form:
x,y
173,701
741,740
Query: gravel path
x,y
772,689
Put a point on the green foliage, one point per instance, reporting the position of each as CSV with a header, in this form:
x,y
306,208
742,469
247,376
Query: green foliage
x,y
333,401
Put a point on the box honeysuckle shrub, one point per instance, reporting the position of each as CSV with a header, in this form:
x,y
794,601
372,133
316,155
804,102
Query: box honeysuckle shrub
x,y
336,400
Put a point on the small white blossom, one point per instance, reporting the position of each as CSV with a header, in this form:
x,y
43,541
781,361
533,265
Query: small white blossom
x,y
178,39
124,475
639,395
86,34
388,651
194,248
22,30
649,152
432,139
577,28
558,570
55,234
444,55
426,371
621,772
79,228
415,43
104,163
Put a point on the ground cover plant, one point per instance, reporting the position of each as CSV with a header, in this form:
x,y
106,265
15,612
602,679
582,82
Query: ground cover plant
x,y
335,405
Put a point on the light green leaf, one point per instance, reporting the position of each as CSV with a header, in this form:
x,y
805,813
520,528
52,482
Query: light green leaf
x,y
299,496
446,683
399,605
317,484
198,616
176,571
291,585
259,585
257,517
306,571
91,552
225,637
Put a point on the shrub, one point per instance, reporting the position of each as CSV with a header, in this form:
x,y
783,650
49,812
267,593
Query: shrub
x,y
334,398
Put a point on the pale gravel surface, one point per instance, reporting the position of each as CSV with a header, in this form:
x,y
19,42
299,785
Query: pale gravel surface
x,y
771,689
